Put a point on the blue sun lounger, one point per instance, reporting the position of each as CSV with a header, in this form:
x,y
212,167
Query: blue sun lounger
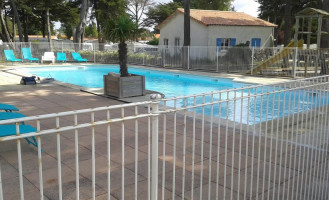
x,y
61,57
10,115
10,56
10,129
27,55
8,107
77,57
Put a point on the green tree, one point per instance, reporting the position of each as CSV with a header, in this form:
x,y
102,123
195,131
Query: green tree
x,y
187,27
120,31
91,30
282,13
158,13
70,17
103,11
213,5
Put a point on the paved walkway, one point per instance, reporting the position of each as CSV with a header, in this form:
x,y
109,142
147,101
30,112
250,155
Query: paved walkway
x,y
37,100
290,167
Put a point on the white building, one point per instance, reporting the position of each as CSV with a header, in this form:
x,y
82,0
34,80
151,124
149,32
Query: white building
x,y
213,28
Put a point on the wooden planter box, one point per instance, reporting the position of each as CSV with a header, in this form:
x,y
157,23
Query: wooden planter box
x,y
123,87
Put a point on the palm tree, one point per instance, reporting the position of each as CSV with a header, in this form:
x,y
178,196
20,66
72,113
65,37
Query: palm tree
x,y
187,32
187,29
122,30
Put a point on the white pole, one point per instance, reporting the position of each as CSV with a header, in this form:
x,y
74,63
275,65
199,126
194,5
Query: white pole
x,y
188,57
155,145
217,59
164,57
295,63
94,52
1,192
21,49
143,56
62,46
252,59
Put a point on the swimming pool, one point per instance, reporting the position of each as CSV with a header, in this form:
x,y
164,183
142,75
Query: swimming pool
x,y
168,83
248,111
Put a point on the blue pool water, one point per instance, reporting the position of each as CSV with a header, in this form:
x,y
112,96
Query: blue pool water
x,y
177,84
170,84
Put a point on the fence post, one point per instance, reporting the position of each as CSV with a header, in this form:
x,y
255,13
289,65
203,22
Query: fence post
x,y
317,62
188,57
164,57
217,69
1,192
155,146
252,60
62,46
295,63
30,44
21,49
94,46
143,53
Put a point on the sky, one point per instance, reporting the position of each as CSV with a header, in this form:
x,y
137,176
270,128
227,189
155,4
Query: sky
x,y
247,6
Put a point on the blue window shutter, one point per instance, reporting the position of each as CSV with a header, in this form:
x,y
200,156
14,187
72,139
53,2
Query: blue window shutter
x,y
233,42
255,42
218,44
258,42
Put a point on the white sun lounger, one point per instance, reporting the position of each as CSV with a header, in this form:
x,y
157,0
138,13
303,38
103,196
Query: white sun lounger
x,y
48,56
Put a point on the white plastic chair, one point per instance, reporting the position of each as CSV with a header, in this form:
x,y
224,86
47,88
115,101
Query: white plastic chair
x,y
48,56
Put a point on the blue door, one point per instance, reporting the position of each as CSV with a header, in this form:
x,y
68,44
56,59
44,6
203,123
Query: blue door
x,y
218,44
255,42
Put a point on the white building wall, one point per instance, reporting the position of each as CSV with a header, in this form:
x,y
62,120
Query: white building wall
x,y
241,33
175,29
203,38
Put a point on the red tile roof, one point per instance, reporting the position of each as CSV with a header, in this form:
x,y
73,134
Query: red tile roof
x,y
224,18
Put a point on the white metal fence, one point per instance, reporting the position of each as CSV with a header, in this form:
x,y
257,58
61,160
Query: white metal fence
x,y
291,62
257,142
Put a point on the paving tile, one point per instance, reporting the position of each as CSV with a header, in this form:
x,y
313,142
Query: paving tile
x,y
129,156
273,173
246,185
206,149
188,183
11,189
205,168
168,149
143,169
205,192
115,147
7,170
86,140
116,179
243,160
103,197
69,190
50,176
101,166
142,191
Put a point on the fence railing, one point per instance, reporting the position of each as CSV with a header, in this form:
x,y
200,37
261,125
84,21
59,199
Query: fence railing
x,y
291,62
256,142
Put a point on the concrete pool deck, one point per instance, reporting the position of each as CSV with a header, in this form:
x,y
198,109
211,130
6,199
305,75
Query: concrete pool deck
x,y
52,98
